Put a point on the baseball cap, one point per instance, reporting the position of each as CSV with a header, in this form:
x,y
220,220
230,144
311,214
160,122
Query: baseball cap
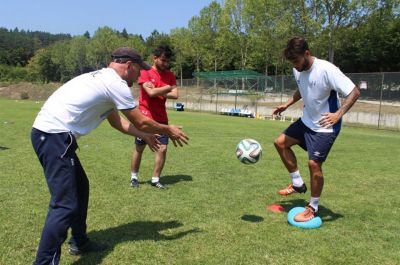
x,y
132,54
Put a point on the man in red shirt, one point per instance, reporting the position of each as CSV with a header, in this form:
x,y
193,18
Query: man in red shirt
x,y
156,86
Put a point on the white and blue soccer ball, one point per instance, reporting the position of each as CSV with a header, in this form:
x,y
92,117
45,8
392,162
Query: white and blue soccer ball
x,y
248,151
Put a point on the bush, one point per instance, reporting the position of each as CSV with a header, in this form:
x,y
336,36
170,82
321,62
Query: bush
x,y
24,95
13,73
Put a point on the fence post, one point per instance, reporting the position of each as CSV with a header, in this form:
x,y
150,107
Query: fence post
x,y
181,77
216,102
380,102
201,95
236,92
186,103
281,89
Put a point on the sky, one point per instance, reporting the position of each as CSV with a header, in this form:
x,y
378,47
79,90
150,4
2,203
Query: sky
x,y
76,17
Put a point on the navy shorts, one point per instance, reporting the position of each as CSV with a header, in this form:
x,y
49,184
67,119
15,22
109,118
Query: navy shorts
x,y
162,138
317,144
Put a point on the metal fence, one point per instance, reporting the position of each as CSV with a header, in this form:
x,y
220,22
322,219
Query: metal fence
x,y
378,105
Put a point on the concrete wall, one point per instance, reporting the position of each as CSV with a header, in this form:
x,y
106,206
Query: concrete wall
x,y
208,103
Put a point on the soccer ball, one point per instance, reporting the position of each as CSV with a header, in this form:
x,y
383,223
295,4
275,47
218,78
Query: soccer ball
x,y
248,151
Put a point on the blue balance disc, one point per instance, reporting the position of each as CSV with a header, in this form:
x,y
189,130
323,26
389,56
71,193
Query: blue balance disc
x,y
316,222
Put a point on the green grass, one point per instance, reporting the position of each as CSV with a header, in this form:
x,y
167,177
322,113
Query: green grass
x,y
215,210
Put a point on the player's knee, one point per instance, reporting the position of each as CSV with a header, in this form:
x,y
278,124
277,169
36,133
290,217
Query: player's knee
x,y
278,143
163,148
139,149
315,167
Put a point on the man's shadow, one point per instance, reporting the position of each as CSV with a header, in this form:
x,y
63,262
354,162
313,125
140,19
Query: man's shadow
x,y
326,214
252,218
135,231
172,179
3,148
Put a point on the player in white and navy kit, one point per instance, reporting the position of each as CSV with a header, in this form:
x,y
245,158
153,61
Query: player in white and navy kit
x,y
319,83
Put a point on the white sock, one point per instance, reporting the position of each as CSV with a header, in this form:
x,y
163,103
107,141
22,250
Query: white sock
x,y
134,175
296,178
314,202
155,179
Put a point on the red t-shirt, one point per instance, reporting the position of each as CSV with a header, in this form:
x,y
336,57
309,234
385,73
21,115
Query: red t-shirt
x,y
154,108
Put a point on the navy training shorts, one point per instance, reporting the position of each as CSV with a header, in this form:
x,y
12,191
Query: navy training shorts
x,y
162,138
317,144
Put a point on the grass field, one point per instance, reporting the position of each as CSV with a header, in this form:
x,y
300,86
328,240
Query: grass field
x,y
215,209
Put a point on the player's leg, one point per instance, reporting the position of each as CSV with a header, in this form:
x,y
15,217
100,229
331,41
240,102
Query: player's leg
x,y
293,135
316,178
140,145
283,145
159,162
318,146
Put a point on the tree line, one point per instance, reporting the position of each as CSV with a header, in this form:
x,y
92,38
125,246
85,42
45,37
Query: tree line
x,y
356,35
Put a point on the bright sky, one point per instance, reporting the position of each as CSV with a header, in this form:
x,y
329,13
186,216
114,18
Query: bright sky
x,y
75,17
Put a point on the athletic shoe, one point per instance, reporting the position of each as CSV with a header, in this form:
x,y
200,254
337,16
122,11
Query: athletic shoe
x,y
134,183
159,185
90,246
306,215
293,189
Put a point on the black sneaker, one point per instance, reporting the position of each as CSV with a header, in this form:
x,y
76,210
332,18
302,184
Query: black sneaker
x,y
90,246
134,183
158,185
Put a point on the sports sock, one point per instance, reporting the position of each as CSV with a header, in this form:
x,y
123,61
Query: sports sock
x,y
134,175
155,179
296,178
314,202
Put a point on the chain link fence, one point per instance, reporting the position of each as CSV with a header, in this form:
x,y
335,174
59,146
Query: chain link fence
x,y
378,105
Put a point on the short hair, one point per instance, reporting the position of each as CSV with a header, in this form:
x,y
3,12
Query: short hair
x,y
295,47
163,50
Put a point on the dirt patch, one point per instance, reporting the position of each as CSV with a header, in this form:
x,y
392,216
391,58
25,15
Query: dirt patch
x,y
28,91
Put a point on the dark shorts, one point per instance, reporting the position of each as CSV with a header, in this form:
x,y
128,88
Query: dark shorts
x,y
317,144
162,138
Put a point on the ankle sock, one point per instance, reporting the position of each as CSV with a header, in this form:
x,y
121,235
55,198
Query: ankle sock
x,y
297,181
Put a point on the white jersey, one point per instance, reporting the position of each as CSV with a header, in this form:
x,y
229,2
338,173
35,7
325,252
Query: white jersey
x,y
82,103
319,87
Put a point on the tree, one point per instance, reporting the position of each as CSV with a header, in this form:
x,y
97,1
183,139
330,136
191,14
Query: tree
x,y
124,33
271,27
209,23
86,34
334,15
197,51
372,44
104,41
155,39
40,67
181,43
76,59
235,29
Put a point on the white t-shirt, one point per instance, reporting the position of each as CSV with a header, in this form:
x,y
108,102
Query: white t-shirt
x,y
82,103
319,87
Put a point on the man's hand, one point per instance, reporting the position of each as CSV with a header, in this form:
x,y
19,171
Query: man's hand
x,y
328,119
148,84
152,141
278,110
177,135
281,108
